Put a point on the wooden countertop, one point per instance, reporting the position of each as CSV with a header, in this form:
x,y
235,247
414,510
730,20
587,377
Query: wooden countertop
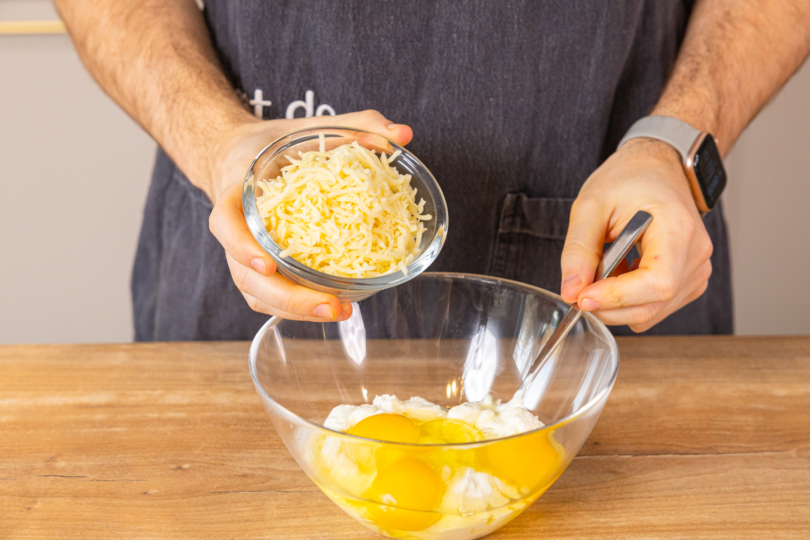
x,y
703,437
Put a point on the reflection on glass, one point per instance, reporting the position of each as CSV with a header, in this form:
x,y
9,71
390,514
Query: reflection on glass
x,y
480,365
541,381
279,344
353,335
452,389
587,384
526,344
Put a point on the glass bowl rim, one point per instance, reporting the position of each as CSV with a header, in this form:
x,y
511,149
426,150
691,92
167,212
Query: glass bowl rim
x,y
614,348
373,283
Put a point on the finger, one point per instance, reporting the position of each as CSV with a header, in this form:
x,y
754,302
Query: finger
x,y
669,310
698,283
281,294
583,246
227,223
399,133
647,315
376,122
642,318
630,315
660,275
257,305
372,121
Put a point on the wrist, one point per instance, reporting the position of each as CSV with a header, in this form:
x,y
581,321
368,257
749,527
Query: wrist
x,y
699,111
700,158
235,151
653,149
660,156
195,142
220,146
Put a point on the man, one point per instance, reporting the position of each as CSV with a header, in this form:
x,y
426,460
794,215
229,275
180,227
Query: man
x,y
513,105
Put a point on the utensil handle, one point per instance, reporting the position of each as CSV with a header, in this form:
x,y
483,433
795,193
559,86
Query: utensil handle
x,y
622,245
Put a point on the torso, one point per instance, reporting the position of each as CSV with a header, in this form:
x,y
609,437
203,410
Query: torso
x,y
513,103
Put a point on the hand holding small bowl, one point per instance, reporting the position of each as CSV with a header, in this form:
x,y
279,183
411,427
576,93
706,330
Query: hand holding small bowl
x,y
267,166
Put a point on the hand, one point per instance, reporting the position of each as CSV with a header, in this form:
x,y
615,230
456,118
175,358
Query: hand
x,y
674,269
252,269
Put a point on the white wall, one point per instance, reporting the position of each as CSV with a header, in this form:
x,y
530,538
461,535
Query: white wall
x,y
74,171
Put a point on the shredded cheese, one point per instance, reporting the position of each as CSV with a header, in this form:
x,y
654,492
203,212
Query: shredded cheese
x,y
344,212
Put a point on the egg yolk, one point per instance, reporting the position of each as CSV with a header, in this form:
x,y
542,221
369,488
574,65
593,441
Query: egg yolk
x,y
408,490
402,486
387,427
447,430
529,461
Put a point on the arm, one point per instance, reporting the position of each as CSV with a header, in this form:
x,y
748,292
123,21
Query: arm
x,y
156,60
736,54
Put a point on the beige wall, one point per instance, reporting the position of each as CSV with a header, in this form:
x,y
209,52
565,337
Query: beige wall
x,y
74,172
73,177
768,215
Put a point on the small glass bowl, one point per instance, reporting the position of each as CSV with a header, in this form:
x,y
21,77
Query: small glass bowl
x,y
267,166
448,338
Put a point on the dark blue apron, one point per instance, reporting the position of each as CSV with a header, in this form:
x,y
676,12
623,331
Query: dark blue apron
x,y
513,104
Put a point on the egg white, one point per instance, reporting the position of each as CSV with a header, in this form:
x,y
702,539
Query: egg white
x,y
493,418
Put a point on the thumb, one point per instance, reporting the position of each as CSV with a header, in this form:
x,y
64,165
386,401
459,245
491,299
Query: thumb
x,y
378,123
587,228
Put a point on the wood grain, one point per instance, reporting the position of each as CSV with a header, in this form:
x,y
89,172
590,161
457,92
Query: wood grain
x,y
701,438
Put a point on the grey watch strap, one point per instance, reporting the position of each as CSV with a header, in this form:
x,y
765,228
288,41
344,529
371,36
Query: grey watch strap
x,y
672,131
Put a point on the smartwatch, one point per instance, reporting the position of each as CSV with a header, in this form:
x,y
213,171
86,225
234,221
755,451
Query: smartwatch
x,y
701,159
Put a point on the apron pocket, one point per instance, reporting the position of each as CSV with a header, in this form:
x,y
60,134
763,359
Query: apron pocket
x,y
530,238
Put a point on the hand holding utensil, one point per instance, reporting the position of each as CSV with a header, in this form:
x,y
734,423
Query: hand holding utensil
x,y
610,260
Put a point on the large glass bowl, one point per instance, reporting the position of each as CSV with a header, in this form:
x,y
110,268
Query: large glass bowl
x,y
268,164
448,338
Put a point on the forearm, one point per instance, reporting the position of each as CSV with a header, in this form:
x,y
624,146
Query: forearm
x,y
155,59
736,54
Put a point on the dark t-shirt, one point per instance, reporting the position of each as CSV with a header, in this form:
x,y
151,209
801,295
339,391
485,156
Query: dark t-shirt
x,y
513,105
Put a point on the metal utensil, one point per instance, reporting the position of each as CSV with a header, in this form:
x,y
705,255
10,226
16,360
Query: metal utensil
x,y
610,260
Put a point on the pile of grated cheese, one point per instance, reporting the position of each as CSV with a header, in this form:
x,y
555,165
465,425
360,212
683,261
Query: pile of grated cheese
x,y
344,212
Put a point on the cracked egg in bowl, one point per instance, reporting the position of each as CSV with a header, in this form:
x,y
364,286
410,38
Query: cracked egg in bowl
x,y
410,415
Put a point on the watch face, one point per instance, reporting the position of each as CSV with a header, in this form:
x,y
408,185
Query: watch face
x,y
709,171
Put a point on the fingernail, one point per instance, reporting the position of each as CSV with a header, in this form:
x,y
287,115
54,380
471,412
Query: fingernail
x,y
391,125
258,265
588,305
570,282
323,311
